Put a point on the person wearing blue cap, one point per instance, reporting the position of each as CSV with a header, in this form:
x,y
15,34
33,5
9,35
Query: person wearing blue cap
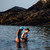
x,y
19,32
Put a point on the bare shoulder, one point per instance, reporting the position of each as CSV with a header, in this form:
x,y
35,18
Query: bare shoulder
x,y
17,31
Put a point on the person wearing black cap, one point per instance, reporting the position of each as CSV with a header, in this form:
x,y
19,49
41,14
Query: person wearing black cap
x,y
24,36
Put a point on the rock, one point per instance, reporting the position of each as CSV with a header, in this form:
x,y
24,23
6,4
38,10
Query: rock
x,y
38,14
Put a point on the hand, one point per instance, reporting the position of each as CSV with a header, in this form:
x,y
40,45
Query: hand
x,y
17,40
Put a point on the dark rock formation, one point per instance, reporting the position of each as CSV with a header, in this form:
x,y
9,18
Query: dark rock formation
x,y
38,14
15,8
42,4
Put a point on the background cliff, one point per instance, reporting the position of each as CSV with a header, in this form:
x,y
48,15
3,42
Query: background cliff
x,y
38,14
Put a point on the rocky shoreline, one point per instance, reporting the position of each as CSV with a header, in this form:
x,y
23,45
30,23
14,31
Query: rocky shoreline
x,y
38,14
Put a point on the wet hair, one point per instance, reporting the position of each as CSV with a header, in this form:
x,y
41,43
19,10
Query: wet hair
x,y
20,29
27,29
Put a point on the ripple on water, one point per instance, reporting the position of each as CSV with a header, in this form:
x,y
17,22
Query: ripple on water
x,y
38,38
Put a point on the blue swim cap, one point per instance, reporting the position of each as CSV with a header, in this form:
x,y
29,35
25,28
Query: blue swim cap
x,y
21,27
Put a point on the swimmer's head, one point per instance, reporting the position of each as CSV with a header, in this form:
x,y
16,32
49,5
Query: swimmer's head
x,y
21,28
27,30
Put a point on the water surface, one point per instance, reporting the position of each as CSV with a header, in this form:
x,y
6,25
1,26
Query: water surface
x,y
39,38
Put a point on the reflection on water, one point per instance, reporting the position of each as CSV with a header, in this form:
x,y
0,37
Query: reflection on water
x,y
22,45
38,38
18,45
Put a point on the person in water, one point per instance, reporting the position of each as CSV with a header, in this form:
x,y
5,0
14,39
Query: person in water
x,y
19,32
24,36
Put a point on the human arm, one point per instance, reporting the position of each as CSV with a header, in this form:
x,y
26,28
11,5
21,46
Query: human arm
x,y
22,35
17,39
17,33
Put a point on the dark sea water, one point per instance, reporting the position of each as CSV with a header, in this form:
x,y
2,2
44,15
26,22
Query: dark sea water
x,y
38,38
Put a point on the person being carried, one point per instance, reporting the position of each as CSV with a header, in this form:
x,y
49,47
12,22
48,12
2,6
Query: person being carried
x,y
24,36
19,32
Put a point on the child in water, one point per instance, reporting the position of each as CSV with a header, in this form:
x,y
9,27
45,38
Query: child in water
x,y
24,36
